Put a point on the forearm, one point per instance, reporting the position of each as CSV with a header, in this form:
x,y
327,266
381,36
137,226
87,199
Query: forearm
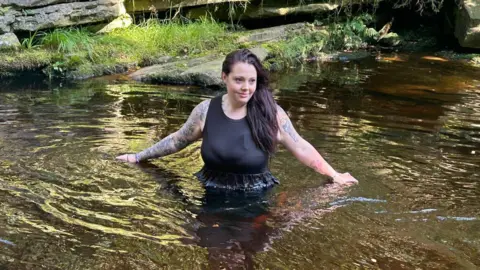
x,y
168,145
309,156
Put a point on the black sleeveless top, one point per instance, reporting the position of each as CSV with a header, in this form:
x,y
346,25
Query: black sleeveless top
x,y
232,158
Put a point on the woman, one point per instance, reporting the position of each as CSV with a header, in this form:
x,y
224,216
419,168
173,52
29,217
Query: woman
x,y
240,131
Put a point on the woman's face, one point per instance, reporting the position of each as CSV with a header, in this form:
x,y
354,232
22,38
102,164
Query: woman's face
x,y
241,82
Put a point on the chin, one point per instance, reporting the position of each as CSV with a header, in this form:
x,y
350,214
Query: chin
x,y
243,100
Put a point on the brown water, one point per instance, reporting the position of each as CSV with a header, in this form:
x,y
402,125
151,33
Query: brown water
x,y
408,129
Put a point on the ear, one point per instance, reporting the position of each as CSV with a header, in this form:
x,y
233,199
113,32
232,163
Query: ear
x,y
224,77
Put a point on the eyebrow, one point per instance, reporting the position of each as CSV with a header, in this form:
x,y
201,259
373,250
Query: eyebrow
x,y
241,77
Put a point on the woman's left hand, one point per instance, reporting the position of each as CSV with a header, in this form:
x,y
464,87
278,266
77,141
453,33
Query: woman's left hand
x,y
345,179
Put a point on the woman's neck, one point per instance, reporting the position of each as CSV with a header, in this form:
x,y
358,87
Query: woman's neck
x,y
233,108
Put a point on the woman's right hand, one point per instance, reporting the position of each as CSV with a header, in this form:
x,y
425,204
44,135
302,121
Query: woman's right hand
x,y
344,179
131,158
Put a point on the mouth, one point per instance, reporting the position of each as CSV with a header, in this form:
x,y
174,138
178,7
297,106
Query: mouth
x,y
243,95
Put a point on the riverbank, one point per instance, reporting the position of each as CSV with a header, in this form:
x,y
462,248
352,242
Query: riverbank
x,y
77,53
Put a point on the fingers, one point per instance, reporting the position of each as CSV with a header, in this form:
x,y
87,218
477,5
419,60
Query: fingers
x,y
125,158
347,180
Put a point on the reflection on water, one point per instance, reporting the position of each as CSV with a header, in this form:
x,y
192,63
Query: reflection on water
x,y
407,128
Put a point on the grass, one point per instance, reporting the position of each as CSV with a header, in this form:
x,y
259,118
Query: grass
x,y
77,51
352,34
15,61
154,39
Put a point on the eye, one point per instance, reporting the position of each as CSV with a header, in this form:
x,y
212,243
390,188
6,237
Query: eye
x,y
238,79
252,81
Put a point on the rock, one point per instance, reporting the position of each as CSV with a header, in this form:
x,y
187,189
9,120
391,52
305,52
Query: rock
x,y
168,72
390,39
352,56
31,3
133,6
16,17
283,11
7,17
123,21
467,24
272,33
204,71
9,40
155,61
475,61
259,11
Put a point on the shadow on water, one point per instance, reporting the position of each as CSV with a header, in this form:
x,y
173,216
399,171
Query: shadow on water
x,y
407,126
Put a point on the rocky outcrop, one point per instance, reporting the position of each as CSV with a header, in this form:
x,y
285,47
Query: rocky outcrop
x,y
204,71
467,25
260,11
228,9
133,6
32,15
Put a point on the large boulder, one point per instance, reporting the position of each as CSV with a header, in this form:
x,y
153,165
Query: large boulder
x,y
32,15
467,25
123,21
224,12
9,40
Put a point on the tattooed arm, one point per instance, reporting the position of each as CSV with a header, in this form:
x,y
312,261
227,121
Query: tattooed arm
x,y
305,152
187,134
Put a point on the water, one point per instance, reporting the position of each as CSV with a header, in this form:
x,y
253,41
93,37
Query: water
x,y
408,129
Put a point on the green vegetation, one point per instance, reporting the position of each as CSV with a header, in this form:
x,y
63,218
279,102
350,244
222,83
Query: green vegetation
x,y
78,52
12,61
353,34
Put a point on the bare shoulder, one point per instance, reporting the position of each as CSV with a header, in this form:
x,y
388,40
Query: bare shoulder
x,y
202,108
199,113
281,114
286,126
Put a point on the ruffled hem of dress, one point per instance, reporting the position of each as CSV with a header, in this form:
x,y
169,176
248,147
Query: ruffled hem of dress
x,y
235,181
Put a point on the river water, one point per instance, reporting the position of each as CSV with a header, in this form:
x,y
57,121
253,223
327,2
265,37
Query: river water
x,y
408,127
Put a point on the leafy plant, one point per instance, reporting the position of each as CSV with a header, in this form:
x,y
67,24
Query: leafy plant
x,y
31,42
352,34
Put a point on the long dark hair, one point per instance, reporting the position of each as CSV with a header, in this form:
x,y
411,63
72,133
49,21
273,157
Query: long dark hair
x,y
261,108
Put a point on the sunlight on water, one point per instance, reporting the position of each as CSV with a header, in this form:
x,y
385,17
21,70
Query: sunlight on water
x,y
408,130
